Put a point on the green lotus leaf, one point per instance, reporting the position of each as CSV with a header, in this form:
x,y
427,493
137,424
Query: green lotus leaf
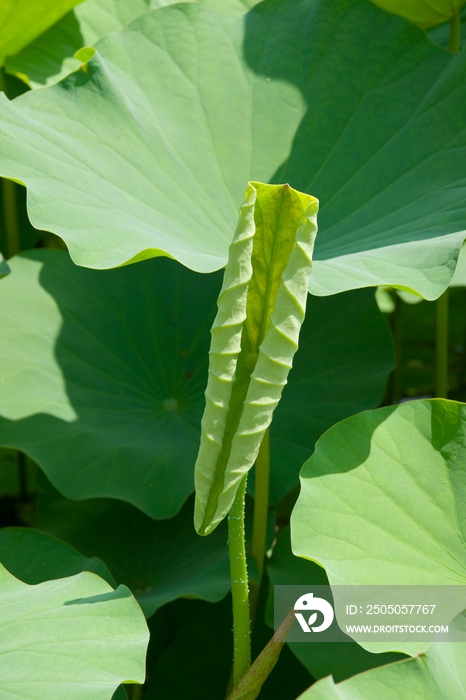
x,y
382,498
439,674
117,382
159,561
117,165
35,557
74,637
255,334
425,13
342,379
341,659
23,20
51,56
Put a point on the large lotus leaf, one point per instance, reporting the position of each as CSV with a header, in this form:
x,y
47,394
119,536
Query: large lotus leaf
x,y
425,13
330,380
341,659
116,383
74,637
158,560
50,57
382,499
109,399
22,20
144,152
439,674
35,557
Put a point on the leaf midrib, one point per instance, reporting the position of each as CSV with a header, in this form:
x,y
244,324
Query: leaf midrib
x,y
270,278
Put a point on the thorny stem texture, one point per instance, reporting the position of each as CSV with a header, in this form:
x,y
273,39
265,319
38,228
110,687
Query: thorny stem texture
x,y
261,510
239,586
261,502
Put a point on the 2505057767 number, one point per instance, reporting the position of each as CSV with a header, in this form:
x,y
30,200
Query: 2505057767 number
x,y
400,609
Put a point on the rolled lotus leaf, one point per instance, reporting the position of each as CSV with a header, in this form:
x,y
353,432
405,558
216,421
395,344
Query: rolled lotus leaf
x,y
255,334
425,13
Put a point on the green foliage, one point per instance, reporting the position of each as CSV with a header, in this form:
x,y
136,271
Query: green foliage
x,y
341,659
330,380
35,557
210,630
107,364
152,118
51,57
255,334
158,560
75,629
111,383
439,674
23,20
376,152
382,498
207,661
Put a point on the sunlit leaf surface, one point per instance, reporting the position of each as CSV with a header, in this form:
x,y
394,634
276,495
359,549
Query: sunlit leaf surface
x,y
382,498
74,637
145,152
21,21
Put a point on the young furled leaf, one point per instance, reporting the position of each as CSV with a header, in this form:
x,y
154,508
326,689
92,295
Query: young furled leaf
x,y
255,334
